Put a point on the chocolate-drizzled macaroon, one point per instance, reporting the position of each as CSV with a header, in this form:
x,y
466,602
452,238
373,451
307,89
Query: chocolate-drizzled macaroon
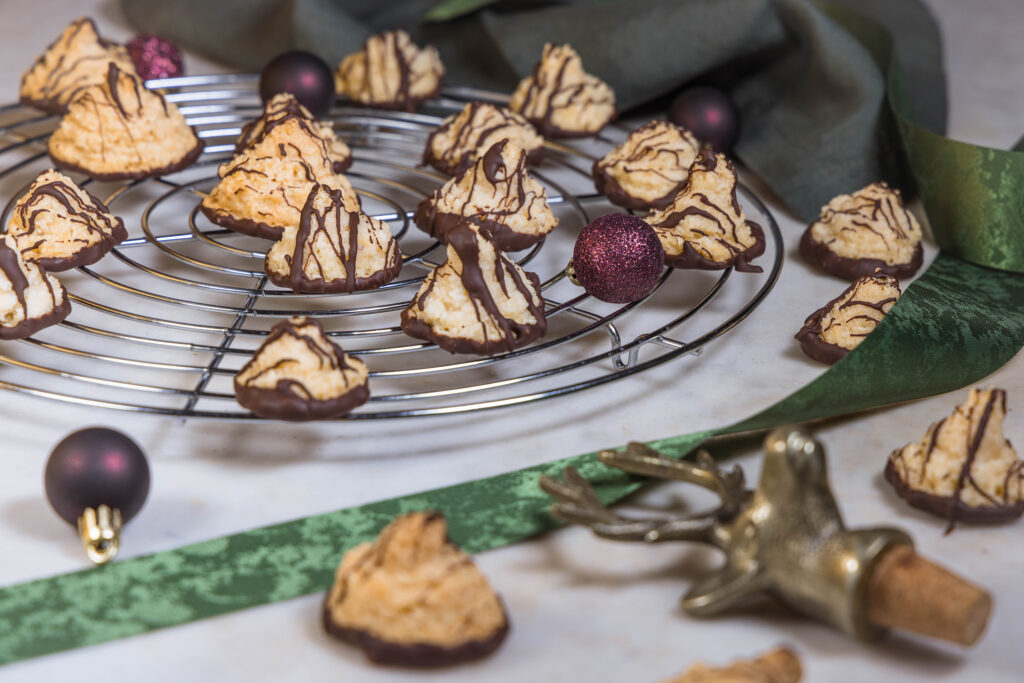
x,y
496,195
298,373
58,225
30,299
333,248
463,137
477,301
391,72
119,130
562,100
963,468
841,325
864,231
284,107
414,598
647,170
263,188
78,59
703,226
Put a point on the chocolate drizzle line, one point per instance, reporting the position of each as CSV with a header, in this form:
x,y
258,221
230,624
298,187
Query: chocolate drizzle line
x,y
328,222
464,240
952,507
103,230
289,399
810,335
535,99
740,256
490,221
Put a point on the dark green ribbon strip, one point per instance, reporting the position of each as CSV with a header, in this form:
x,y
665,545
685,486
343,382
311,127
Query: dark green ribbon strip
x,y
956,324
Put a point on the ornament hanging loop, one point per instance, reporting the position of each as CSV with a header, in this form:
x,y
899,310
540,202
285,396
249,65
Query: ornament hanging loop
x,y
100,531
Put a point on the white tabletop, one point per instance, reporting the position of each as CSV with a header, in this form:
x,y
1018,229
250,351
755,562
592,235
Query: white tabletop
x,y
581,608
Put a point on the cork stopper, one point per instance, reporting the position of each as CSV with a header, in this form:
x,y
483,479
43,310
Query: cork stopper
x,y
908,592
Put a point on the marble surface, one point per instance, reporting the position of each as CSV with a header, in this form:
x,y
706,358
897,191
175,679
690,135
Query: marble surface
x,y
582,609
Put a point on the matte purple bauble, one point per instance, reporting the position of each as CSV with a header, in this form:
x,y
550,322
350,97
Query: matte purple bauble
x,y
618,258
93,467
709,114
304,75
155,57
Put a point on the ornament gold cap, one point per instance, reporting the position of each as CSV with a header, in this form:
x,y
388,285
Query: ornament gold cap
x,y
100,531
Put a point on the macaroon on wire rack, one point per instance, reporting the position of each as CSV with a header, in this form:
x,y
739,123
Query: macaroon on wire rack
x,y
163,322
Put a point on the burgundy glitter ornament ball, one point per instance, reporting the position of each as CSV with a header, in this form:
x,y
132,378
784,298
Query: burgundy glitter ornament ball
x,y
618,258
302,74
155,57
709,114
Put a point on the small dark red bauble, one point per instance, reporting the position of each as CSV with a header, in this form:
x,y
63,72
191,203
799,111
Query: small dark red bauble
x,y
618,258
155,57
302,74
709,114
93,467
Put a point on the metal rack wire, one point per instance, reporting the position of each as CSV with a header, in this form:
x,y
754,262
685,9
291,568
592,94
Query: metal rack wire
x,y
162,324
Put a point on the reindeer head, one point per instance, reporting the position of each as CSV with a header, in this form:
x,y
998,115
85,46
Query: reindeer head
x,y
786,538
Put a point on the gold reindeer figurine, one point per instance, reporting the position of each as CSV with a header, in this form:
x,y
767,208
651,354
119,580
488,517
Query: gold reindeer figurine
x,y
787,539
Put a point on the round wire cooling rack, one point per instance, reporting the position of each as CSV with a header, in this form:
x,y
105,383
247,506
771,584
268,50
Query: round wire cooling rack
x,y
162,324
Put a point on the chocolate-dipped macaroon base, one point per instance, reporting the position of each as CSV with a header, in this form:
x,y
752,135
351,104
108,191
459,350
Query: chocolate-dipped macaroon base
x,y
949,507
853,268
614,192
29,326
281,403
179,165
242,225
520,334
439,225
690,258
415,655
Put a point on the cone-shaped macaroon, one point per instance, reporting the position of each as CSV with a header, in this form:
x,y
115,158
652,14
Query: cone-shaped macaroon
x,y
964,467
391,72
703,226
284,107
263,188
864,231
414,598
561,99
73,62
333,248
30,299
298,373
842,324
496,195
477,301
57,225
119,130
463,137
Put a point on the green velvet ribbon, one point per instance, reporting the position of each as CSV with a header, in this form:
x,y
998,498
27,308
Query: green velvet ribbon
x,y
960,321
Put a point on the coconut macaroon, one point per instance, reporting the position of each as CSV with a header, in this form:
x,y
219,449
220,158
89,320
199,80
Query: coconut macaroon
x,y
477,301
76,60
963,468
263,188
119,130
391,72
299,374
57,225
647,170
777,666
333,248
284,107
841,325
496,195
414,598
561,99
30,299
463,137
703,226
864,231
